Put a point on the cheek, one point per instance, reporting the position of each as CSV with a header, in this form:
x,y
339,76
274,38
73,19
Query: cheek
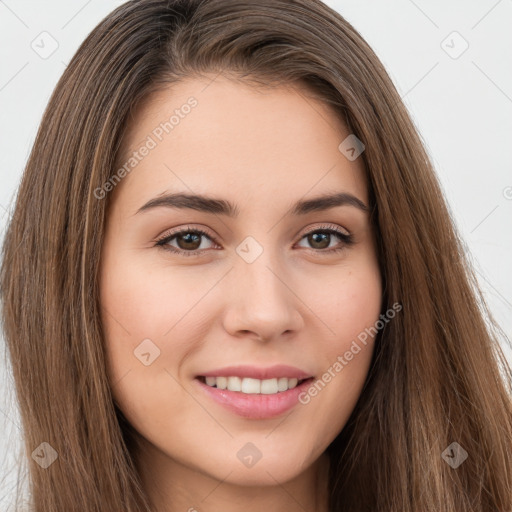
x,y
350,303
153,319
147,301
356,306
142,303
351,309
147,335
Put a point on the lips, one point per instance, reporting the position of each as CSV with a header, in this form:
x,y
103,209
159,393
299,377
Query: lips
x,y
253,372
255,393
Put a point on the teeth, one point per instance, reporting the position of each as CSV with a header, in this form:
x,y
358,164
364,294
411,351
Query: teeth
x,y
234,384
252,386
222,382
282,384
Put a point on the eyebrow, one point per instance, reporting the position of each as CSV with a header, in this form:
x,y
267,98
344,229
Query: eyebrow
x,y
223,207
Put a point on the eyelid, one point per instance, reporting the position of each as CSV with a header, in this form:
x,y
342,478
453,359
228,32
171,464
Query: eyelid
x,y
205,231
324,226
184,229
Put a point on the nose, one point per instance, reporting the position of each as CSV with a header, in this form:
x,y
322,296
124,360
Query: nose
x,y
260,301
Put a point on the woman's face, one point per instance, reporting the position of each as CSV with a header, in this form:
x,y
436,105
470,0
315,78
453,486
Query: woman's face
x,y
269,288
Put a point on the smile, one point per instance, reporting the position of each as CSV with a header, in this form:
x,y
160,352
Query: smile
x,y
252,386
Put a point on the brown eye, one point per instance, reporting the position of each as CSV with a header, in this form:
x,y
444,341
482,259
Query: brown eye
x,y
188,242
320,240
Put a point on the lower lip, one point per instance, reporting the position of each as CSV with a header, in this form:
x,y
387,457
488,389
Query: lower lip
x,y
256,405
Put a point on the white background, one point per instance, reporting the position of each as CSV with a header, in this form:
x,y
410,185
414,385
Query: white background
x,y
461,106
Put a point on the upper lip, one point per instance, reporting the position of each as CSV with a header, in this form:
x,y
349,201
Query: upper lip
x,y
261,373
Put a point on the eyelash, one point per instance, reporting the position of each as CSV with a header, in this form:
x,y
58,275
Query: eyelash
x,y
347,240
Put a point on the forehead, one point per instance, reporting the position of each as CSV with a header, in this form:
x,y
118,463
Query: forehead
x,y
219,136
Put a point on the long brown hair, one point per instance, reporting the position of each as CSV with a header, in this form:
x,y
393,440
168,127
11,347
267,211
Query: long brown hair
x,y
438,374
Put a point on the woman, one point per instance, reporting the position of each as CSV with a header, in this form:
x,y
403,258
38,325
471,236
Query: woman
x,y
231,279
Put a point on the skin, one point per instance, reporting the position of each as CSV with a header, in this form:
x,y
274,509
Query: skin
x,y
263,150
